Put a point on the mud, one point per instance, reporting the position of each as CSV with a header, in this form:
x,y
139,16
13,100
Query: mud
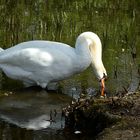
x,y
115,117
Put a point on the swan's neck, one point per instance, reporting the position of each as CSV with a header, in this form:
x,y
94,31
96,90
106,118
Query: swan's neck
x,y
83,55
90,52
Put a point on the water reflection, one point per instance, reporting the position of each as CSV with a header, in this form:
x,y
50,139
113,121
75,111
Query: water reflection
x,y
33,109
33,114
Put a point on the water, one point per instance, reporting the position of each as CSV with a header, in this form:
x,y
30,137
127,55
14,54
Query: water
x,y
116,23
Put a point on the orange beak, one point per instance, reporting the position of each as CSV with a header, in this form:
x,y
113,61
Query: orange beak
x,y
103,87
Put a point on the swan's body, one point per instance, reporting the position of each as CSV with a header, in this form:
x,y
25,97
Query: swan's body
x,y
43,62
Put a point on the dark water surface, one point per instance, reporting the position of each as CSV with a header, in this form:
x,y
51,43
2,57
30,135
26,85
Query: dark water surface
x,y
25,113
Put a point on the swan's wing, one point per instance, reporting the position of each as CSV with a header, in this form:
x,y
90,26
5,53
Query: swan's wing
x,y
34,56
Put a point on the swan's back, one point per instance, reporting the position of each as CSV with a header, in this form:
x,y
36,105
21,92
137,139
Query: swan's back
x,y
36,44
35,48
39,61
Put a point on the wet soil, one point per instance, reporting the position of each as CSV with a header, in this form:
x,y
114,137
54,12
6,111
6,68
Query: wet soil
x,y
115,117
128,128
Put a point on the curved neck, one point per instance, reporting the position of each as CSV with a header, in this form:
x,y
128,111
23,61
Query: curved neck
x,y
96,51
96,58
89,49
83,54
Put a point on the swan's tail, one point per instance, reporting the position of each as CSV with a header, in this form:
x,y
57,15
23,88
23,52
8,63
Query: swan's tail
x,y
1,49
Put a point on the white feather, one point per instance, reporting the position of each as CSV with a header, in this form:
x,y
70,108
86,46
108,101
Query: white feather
x,y
43,62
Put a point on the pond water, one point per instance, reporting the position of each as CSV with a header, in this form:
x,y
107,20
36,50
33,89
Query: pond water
x,y
24,112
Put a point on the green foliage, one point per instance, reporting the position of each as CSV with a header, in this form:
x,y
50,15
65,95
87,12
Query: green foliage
x,y
116,22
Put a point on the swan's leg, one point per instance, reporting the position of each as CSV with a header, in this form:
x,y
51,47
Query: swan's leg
x,y
52,86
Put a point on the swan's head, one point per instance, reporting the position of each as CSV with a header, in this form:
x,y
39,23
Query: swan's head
x,y
95,48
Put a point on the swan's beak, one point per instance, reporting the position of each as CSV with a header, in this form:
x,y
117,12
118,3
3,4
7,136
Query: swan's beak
x,y
102,81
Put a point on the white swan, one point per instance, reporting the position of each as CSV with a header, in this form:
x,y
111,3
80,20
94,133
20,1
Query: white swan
x,y
44,62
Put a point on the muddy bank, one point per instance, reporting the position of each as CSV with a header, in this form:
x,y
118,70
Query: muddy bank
x,y
114,117
128,128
